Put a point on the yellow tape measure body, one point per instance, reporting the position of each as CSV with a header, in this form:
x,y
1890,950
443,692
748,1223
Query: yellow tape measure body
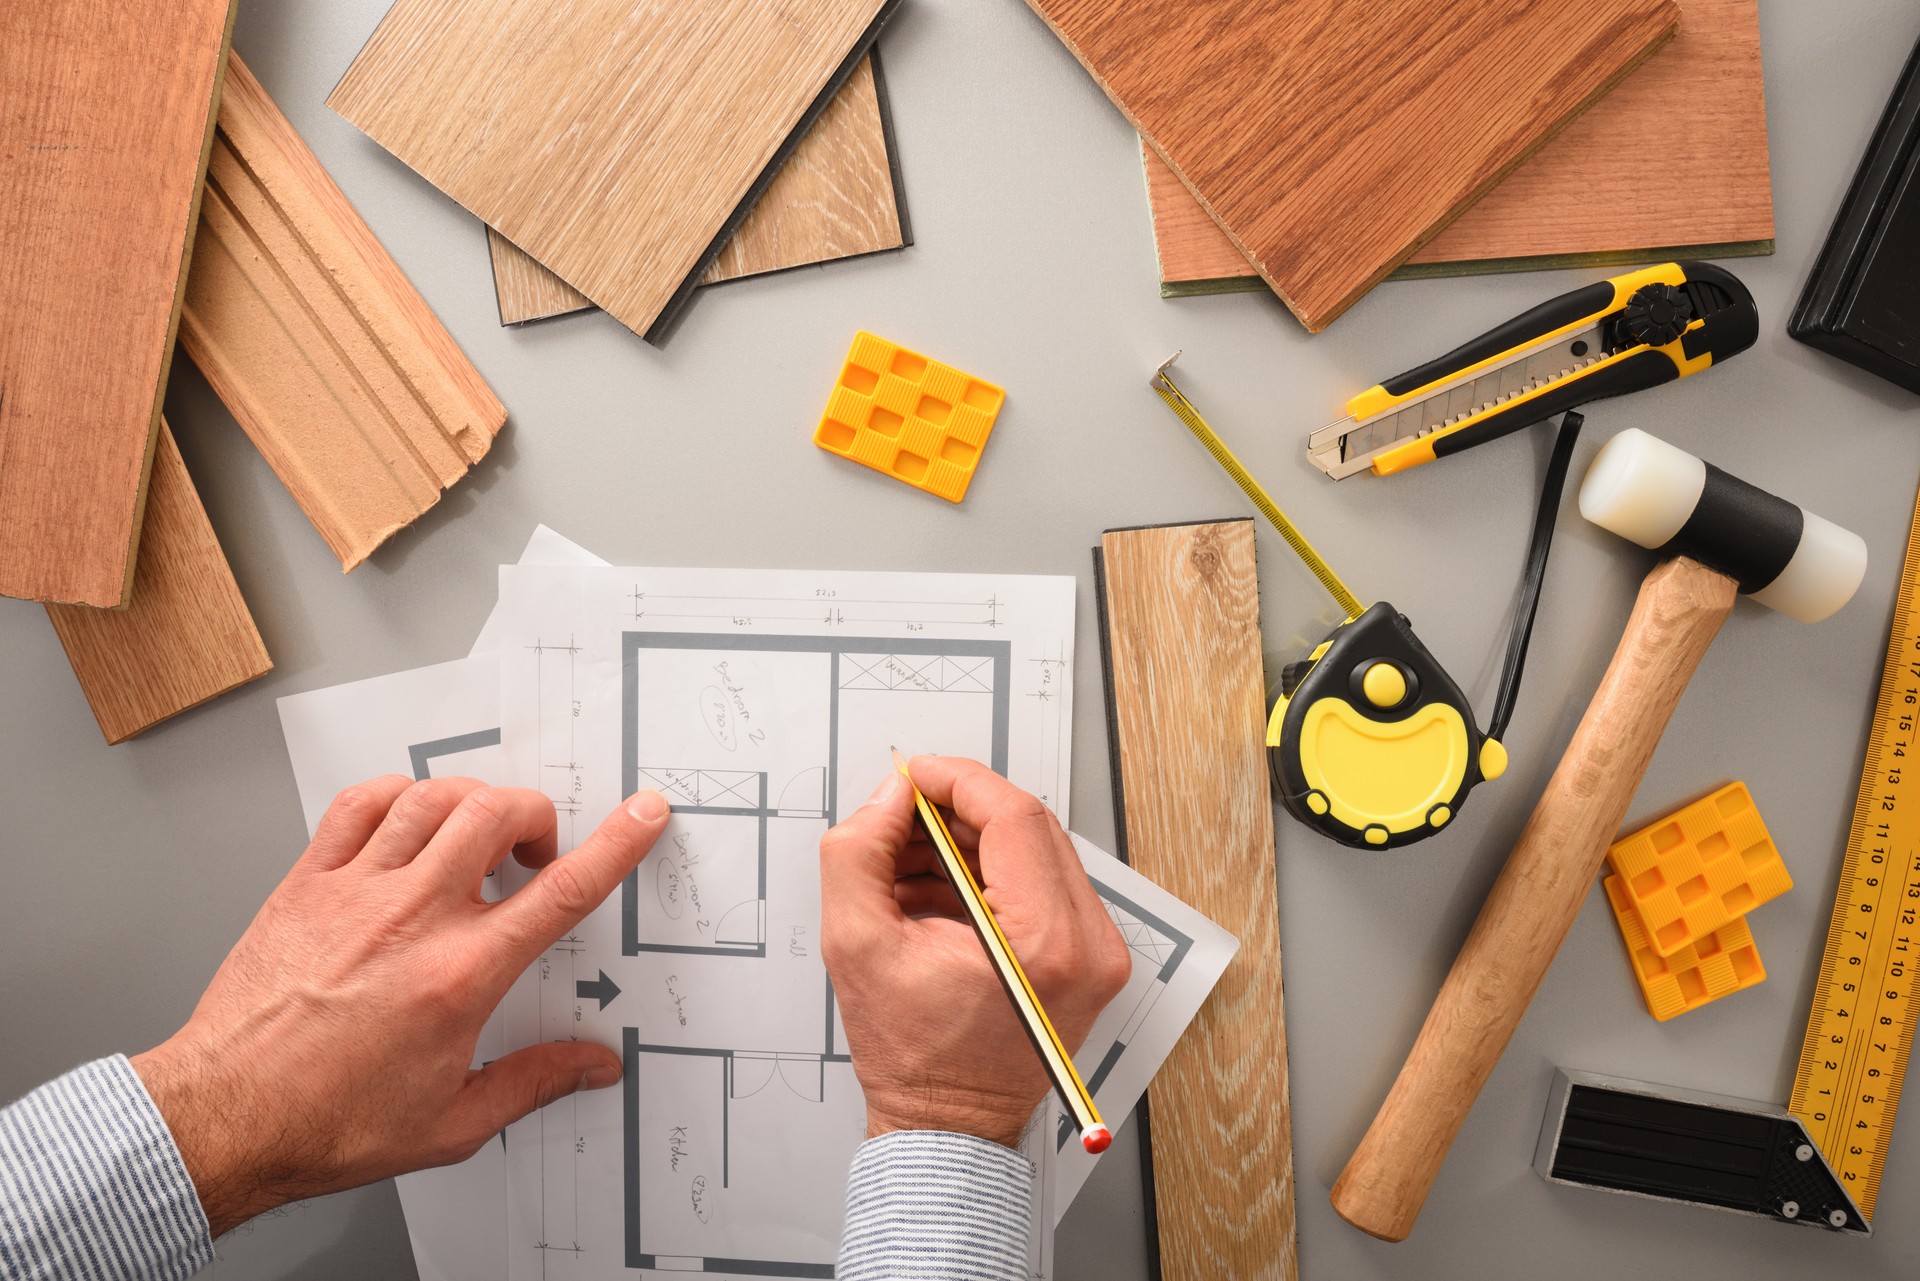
x,y
1860,1030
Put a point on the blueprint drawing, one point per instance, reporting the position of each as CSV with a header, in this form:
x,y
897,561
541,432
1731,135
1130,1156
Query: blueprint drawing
x,y
765,706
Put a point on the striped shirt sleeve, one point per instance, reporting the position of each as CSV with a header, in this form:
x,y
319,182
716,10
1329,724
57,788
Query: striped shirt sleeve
x,y
944,1207
92,1187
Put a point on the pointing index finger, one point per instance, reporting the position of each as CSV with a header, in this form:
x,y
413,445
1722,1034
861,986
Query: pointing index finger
x,y
562,894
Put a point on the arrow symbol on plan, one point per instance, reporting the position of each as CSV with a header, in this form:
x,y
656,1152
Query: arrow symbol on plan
x,y
602,991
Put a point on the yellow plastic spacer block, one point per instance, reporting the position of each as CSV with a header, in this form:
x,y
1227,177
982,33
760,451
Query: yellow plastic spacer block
x,y
1723,962
1699,868
912,418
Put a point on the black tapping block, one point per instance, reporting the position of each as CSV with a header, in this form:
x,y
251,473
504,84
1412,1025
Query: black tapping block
x,y
1862,302
1682,1145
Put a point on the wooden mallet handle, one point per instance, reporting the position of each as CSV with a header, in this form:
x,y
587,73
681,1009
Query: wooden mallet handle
x,y
1534,903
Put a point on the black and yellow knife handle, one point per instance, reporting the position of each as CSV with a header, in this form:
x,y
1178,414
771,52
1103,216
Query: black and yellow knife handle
x,y
1726,322
1570,310
1730,329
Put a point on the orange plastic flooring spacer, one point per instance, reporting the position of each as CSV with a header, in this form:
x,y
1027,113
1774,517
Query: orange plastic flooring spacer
x,y
1699,868
913,418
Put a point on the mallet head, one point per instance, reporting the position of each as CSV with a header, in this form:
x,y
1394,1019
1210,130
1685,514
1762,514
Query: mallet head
x,y
1665,499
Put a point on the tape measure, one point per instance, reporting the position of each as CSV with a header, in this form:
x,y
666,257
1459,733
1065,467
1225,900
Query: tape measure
x,y
1370,742
1860,1030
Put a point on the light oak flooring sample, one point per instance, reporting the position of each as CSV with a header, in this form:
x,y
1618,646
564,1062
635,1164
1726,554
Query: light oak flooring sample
x,y
616,143
106,109
186,636
1330,139
313,337
1672,165
523,289
1187,713
836,197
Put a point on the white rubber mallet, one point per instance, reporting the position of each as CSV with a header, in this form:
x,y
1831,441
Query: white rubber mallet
x,y
1720,537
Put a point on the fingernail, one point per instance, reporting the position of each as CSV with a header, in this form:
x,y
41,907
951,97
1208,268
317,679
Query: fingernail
x,y
885,791
600,1078
648,807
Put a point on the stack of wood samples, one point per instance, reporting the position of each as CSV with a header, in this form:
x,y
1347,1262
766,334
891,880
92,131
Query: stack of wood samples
x,y
618,145
1672,164
109,113
1330,139
838,196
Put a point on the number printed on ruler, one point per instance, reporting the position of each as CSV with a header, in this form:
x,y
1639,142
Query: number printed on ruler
x,y
1860,1029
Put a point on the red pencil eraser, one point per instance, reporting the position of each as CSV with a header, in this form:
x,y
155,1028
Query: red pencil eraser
x,y
1096,1139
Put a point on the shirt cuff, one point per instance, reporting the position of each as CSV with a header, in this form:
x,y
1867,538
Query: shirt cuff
x,y
927,1203
92,1187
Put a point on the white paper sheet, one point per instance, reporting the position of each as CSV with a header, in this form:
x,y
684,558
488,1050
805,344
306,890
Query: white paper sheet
x,y
544,548
434,720
430,722
764,704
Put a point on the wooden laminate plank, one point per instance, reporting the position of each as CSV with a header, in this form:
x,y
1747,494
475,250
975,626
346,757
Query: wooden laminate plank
x,y
1619,184
1181,614
105,118
523,290
185,637
617,144
309,331
1332,139
835,197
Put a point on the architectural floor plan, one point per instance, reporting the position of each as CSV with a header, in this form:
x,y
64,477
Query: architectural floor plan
x,y
724,1151
765,707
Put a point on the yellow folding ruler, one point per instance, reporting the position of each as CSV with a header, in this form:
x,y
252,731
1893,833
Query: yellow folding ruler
x,y
1860,1030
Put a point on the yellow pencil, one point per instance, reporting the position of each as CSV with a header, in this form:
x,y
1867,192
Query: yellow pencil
x,y
1094,1135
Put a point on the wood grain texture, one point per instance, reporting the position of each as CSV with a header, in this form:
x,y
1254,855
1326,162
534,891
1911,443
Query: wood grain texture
x,y
523,290
105,118
613,142
1693,119
1188,709
186,636
1331,139
1534,902
835,197
309,331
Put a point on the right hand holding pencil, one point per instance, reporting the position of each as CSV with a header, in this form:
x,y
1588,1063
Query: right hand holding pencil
x,y
935,1043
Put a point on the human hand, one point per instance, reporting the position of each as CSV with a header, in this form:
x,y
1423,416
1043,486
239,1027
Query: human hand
x,y
332,1047
936,1043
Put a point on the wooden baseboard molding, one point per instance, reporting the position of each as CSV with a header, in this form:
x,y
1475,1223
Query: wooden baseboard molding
x,y
314,338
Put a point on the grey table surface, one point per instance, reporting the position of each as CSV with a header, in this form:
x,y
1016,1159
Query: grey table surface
x,y
130,870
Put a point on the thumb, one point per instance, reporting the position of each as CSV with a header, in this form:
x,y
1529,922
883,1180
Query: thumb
x,y
526,1081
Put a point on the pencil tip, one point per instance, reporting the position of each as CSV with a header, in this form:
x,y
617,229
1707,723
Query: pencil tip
x,y
899,761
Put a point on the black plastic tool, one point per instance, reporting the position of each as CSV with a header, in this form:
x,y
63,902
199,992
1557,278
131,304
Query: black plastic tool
x,y
1683,1145
1862,302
